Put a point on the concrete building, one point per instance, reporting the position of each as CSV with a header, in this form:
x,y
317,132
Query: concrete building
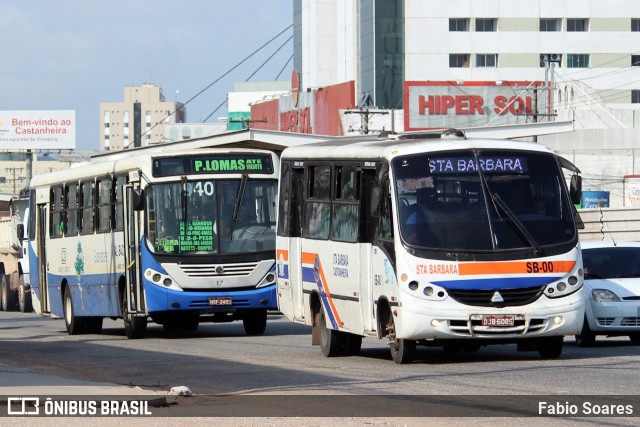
x,y
139,120
473,63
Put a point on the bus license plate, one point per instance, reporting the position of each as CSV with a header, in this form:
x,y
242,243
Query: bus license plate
x,y
498,321
220,301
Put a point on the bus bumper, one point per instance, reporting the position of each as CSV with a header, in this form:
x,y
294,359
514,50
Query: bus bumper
x,y
159,299
451,320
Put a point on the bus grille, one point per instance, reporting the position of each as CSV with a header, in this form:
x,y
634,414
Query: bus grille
x,y
510,297
219,270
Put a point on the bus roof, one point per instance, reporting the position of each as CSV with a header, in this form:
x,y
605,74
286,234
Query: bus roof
x,y
393,145
132,162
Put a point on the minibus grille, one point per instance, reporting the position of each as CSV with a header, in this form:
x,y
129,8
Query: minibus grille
x,y
219,270
483,298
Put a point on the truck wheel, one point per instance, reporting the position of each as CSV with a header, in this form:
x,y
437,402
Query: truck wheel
x,y
24,297
9,298
255,322
75,325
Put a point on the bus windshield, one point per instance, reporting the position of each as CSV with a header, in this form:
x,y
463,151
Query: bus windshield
x,y
482,201
211,216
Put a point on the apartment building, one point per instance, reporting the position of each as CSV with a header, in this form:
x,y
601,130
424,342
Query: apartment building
x,y
139,120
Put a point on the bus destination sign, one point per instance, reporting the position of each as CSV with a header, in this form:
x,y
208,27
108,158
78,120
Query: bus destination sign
x,y
212,164
456,165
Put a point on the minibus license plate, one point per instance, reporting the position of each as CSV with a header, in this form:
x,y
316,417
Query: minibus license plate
x,y
498,321
220,301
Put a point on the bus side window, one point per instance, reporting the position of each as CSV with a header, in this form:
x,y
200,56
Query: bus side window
x,y
57,212
71,203
317,210
86,211
118,223
104,204
385,225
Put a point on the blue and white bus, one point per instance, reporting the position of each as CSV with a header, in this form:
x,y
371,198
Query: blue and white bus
x,y
178,237
429,239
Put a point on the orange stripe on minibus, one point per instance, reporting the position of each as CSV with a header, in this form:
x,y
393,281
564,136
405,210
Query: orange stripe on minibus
x,y
518,267
310,258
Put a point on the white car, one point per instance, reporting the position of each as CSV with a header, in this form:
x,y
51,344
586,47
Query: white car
x,y
612,289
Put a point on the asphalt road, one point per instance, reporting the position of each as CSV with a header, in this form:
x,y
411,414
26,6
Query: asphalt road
x,y
220,360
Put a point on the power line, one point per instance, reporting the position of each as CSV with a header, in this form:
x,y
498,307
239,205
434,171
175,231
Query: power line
x,y
252,74
218,79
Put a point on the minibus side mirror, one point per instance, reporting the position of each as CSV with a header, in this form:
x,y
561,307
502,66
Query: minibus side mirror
x,y
575,191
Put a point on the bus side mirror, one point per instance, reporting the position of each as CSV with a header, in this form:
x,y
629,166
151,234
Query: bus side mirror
x,y
137,199
20,229
375,202
575,192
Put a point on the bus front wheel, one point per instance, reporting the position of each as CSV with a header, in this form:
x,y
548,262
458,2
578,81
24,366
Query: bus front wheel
x,y
255,322
135,327
550,348
586,337
402,350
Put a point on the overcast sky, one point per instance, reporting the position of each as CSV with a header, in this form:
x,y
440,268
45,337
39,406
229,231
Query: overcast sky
x,y
75,54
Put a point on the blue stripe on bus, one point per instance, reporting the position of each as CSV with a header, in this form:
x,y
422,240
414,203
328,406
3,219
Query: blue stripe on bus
x,y
497,284
308,275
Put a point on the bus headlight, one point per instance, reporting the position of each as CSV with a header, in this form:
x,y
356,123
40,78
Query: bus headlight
x,y
161,279
269,278
561,289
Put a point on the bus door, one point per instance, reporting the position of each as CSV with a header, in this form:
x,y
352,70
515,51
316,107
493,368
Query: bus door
x,y
295,249
367,250
41,254
132,234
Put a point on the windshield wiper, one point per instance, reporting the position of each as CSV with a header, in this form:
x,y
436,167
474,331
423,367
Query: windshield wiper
x,y
239,196
497,202
513,218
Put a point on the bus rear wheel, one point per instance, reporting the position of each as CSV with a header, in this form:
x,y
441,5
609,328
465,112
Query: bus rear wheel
x,y
255,322
352,344
75,325
9,298
402,350
331,341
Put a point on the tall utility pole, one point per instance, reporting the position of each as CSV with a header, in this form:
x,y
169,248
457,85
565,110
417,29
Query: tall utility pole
x,y
365,114
14,179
